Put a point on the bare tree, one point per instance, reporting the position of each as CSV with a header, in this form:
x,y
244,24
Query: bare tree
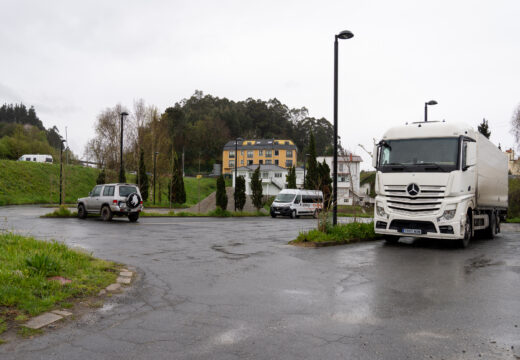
x,y
515,125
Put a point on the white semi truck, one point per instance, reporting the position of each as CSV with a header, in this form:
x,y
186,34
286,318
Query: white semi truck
x,y
438,180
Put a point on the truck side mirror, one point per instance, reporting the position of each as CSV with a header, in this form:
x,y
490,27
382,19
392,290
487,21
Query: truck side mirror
x,y
471,154
374,156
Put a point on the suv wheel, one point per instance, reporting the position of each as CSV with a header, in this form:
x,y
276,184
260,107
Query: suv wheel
x,y
106,213
82,213
133,217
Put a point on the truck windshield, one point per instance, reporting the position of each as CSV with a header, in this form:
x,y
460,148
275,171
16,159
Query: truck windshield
x,y
284,198
419,155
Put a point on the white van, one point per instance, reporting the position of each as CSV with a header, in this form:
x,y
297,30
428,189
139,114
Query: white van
x,y
294,202
36,158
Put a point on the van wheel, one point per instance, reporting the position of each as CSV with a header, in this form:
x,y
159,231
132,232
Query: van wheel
x,y
293,214
463,243
82,213
106,213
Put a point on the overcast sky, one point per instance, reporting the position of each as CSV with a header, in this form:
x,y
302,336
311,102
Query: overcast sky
x,y
72,59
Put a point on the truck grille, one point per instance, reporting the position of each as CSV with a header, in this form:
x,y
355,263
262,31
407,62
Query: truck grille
x,y
427,201
424,226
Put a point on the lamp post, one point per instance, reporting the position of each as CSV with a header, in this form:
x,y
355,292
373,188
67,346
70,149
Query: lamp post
x,y
304,167
431,102
121,169
61,170
154,173
235,180
345,34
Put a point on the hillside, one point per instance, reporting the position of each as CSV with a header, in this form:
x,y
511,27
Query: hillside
x,y
38,183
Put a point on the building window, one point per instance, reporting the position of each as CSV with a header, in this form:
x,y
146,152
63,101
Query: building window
x,y
249,162
232,154
261,162
268,153
276,162
276,153
242,152
241,162
287,143
260,152
288,153
249,153
276,142
268,162
249,143
340,167
231,163
288,163
265,175
277,175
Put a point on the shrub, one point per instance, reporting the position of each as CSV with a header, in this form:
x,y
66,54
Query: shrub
x,y
43,264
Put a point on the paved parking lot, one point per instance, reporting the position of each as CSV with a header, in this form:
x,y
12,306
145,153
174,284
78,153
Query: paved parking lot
x,y
231,289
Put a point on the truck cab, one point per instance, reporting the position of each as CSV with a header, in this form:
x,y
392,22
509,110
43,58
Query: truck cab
x,y
438,180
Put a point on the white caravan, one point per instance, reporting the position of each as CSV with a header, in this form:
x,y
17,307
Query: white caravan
x,y
36,158
438,180
295,202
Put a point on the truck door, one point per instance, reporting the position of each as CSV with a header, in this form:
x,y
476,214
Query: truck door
x,y
468,184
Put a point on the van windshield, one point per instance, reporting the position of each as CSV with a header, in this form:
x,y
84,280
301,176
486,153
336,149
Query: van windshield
x,y
284,198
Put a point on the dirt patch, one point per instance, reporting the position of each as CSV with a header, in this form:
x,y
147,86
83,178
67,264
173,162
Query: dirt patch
x,y
479,262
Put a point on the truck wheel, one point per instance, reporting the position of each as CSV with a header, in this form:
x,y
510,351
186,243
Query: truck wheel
x,y
293,214
82,213
391,239
463,243
491,231
498,223
106,213
133,217
273,215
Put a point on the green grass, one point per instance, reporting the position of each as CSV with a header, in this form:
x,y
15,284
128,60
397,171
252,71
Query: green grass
x,y
25,265
513,220
342,233
38,183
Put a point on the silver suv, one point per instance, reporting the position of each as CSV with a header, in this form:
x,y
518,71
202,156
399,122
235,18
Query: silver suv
x,y
112,199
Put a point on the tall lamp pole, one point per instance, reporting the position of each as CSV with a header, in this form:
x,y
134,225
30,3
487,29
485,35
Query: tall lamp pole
x,y
121,169
154,173
431,102
61,171
235,175
345,34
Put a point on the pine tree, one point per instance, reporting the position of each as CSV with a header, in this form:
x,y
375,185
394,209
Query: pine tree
x,y
291,178
143,178
101,179
177,193
312,177
240,193
256,189
483,128
222,198
325,183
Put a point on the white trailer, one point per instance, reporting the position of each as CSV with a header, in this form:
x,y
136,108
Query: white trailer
x,y
439,180
36,158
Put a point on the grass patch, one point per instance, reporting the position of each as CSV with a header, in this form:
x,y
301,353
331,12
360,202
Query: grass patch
x,y
61,212
214,213
26,264
513,220
341,234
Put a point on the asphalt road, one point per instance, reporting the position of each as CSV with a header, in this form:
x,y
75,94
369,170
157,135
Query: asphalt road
x,y
232,289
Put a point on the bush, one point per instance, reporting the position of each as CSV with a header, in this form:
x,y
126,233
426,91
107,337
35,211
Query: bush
x,y
342,232
514,198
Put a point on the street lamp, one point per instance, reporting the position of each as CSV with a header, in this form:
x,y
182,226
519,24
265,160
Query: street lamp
x,y
154,173
121,169
235,180
344,35
304,166
61,170
431,102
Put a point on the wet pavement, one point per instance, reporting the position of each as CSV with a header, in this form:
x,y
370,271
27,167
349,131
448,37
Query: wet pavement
x,y
231,289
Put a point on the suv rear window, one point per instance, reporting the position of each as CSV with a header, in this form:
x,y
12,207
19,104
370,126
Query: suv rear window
x,y
126,190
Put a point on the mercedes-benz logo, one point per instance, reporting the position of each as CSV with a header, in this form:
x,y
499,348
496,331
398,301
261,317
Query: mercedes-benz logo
x,y
413,189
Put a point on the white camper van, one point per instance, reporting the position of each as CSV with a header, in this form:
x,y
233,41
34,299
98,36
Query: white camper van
x,y
294,202
439,180
36,158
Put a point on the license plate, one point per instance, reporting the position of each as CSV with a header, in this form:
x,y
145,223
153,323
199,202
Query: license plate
x,y
412,231
276,212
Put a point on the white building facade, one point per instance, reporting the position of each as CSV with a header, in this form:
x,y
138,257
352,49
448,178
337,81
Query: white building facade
x,y
348,168
274,178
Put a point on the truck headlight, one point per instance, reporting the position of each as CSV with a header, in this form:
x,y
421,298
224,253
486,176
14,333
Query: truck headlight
x,y
380,210
447,215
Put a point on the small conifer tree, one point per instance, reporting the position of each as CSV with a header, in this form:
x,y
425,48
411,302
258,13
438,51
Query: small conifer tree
x,y
256,189
143,178
222,198
240,193
291,178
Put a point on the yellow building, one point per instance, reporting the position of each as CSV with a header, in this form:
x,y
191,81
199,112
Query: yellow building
x,y
258,152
